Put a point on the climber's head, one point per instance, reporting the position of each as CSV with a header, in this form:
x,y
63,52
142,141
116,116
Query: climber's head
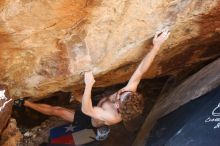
x,y
131,105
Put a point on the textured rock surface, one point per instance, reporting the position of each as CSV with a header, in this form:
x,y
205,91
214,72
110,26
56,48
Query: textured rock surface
x,y
46,44
11,136
39,134
5,108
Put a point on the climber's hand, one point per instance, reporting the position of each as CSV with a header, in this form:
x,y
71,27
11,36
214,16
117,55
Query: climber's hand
x,y
89,78
160,37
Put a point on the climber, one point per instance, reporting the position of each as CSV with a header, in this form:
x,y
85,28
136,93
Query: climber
x,y
123,105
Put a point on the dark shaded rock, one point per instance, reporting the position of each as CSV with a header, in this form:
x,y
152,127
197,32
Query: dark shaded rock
x,y
195,86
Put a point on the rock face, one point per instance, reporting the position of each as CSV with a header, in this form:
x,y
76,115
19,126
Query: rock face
x,y
46,44
11,136
5,108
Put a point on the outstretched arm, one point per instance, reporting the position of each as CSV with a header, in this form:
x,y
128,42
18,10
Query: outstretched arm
x,y
87,107
147,61
86,99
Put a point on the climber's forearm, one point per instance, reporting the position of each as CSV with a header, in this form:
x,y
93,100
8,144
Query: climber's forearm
x,y
158,40
147,61
142,68
86,99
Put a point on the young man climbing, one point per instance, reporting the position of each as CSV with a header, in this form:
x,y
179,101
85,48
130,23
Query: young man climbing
x,y
123,105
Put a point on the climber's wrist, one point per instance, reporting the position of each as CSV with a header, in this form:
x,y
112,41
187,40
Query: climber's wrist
x,y
156,46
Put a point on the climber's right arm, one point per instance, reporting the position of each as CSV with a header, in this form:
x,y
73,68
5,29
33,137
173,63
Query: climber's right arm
x,y
147,61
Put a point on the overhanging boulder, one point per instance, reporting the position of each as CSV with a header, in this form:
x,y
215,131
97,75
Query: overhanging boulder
x,y
45,45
